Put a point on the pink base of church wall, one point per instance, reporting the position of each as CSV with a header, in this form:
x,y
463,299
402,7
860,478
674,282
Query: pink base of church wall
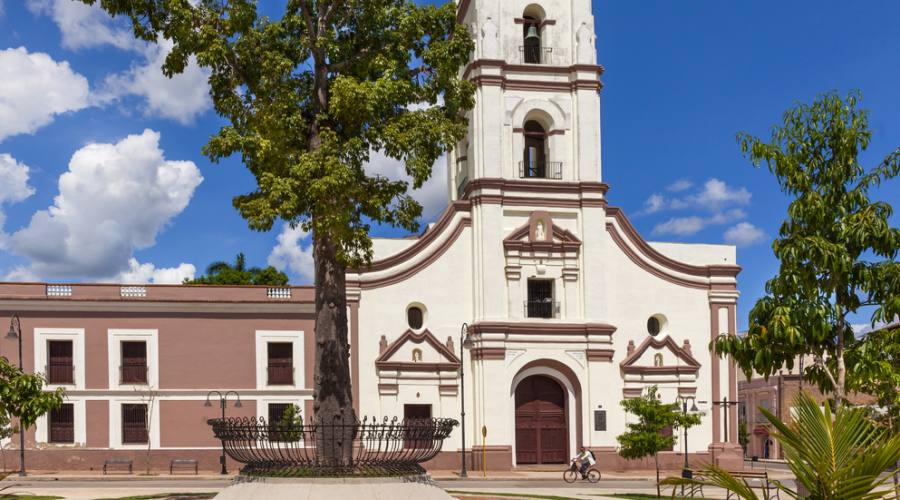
x,y
498,458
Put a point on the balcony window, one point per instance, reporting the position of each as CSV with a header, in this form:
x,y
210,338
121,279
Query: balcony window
x,y
534,162
134,424
134,362
60,369
540,302
281,363
61,423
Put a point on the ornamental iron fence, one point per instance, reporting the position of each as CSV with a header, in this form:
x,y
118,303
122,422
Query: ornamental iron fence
x,y
312,448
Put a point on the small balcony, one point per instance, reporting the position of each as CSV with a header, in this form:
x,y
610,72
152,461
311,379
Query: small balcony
x,y
134,434
540,170
133,374
535,55
280,374
62,433
60,373
541,308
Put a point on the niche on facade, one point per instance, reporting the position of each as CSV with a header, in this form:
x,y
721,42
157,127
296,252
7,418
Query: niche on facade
x,y
417,358
659,362
541,243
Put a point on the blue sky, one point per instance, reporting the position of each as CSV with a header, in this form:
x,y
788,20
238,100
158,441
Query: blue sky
x,y
681,79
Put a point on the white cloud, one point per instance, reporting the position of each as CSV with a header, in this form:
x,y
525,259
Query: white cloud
x,y
744,234
679,185
289,254
21,273
181,98
84,26
148,273
686,226
13,187
114,199
654,203
433,195
716,194
34,88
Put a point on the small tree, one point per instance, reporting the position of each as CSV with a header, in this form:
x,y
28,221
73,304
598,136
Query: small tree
x,y
290,427
22,396
645,437
743,436
148,396
837,248
223,273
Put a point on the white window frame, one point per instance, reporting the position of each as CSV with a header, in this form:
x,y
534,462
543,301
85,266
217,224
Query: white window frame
x,y
42,433
115,338
115,423
75,335
263,337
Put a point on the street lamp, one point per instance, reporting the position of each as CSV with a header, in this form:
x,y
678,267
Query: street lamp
x,y
465,342
223,400
684,410
15,332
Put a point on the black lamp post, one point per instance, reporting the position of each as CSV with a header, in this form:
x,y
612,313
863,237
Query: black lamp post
x,y
15,332
684,410
465,342
223,400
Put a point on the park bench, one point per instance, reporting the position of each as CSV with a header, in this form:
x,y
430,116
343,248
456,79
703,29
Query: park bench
x,y
117,462
763,482
184,463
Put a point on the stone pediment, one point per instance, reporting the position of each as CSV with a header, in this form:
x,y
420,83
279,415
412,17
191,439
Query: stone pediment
x,y
416,352
540,234
660,357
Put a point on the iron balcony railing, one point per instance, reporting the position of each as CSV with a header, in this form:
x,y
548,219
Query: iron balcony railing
x,y
541,309
535,55
540,170
62,433
60,373
133,374
280,374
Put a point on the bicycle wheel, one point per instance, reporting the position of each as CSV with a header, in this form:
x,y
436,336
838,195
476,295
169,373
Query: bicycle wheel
x,y
593,475
570,475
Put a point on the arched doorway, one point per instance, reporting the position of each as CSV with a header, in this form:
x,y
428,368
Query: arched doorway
x,y
542,434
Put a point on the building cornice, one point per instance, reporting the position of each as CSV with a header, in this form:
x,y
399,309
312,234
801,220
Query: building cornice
x,y
156,307
541,328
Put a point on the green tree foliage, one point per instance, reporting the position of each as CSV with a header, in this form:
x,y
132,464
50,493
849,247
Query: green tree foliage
x,y
23,397
307,97
645,437
223,273
839,456
290,427
743,436
837,248
873,367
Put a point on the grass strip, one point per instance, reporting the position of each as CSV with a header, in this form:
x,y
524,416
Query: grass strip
x,y
14,496
197,496
511,495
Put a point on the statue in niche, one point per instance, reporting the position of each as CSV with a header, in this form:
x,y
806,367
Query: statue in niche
x,y
489,39
539,233
417,355
586,39
658,360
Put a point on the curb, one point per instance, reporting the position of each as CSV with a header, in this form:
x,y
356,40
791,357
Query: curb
x,y
38,479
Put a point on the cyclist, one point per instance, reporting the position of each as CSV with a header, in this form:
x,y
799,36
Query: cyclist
x,y
585,459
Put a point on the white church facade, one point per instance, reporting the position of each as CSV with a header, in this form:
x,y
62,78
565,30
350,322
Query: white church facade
x,y
564,308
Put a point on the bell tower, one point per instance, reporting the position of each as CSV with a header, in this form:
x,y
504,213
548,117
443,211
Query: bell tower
x,y
537,104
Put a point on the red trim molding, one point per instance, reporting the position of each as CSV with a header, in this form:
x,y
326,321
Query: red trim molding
x,y
522,328
480,353
648,253
691,366
599,354
535,186
532,68
534,85
451,363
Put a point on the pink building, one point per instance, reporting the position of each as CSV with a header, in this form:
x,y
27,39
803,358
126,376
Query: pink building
x,y
126,354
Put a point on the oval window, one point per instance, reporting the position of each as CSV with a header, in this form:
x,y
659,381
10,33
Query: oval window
x,y
415,317
653,326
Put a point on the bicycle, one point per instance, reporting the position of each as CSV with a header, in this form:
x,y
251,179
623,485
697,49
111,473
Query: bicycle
x,y
571,474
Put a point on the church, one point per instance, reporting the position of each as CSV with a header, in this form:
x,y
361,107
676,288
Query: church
x,y
531,281
531,306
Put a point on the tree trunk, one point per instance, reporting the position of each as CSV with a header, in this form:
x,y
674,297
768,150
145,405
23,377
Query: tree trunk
x,y
658,489
333,399
839,391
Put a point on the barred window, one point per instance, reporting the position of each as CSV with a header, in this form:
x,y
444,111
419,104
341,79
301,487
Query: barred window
x,y
61,422
134,424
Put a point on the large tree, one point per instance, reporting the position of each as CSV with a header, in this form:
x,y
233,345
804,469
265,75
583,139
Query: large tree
x,y
837,248
223,273
308,96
